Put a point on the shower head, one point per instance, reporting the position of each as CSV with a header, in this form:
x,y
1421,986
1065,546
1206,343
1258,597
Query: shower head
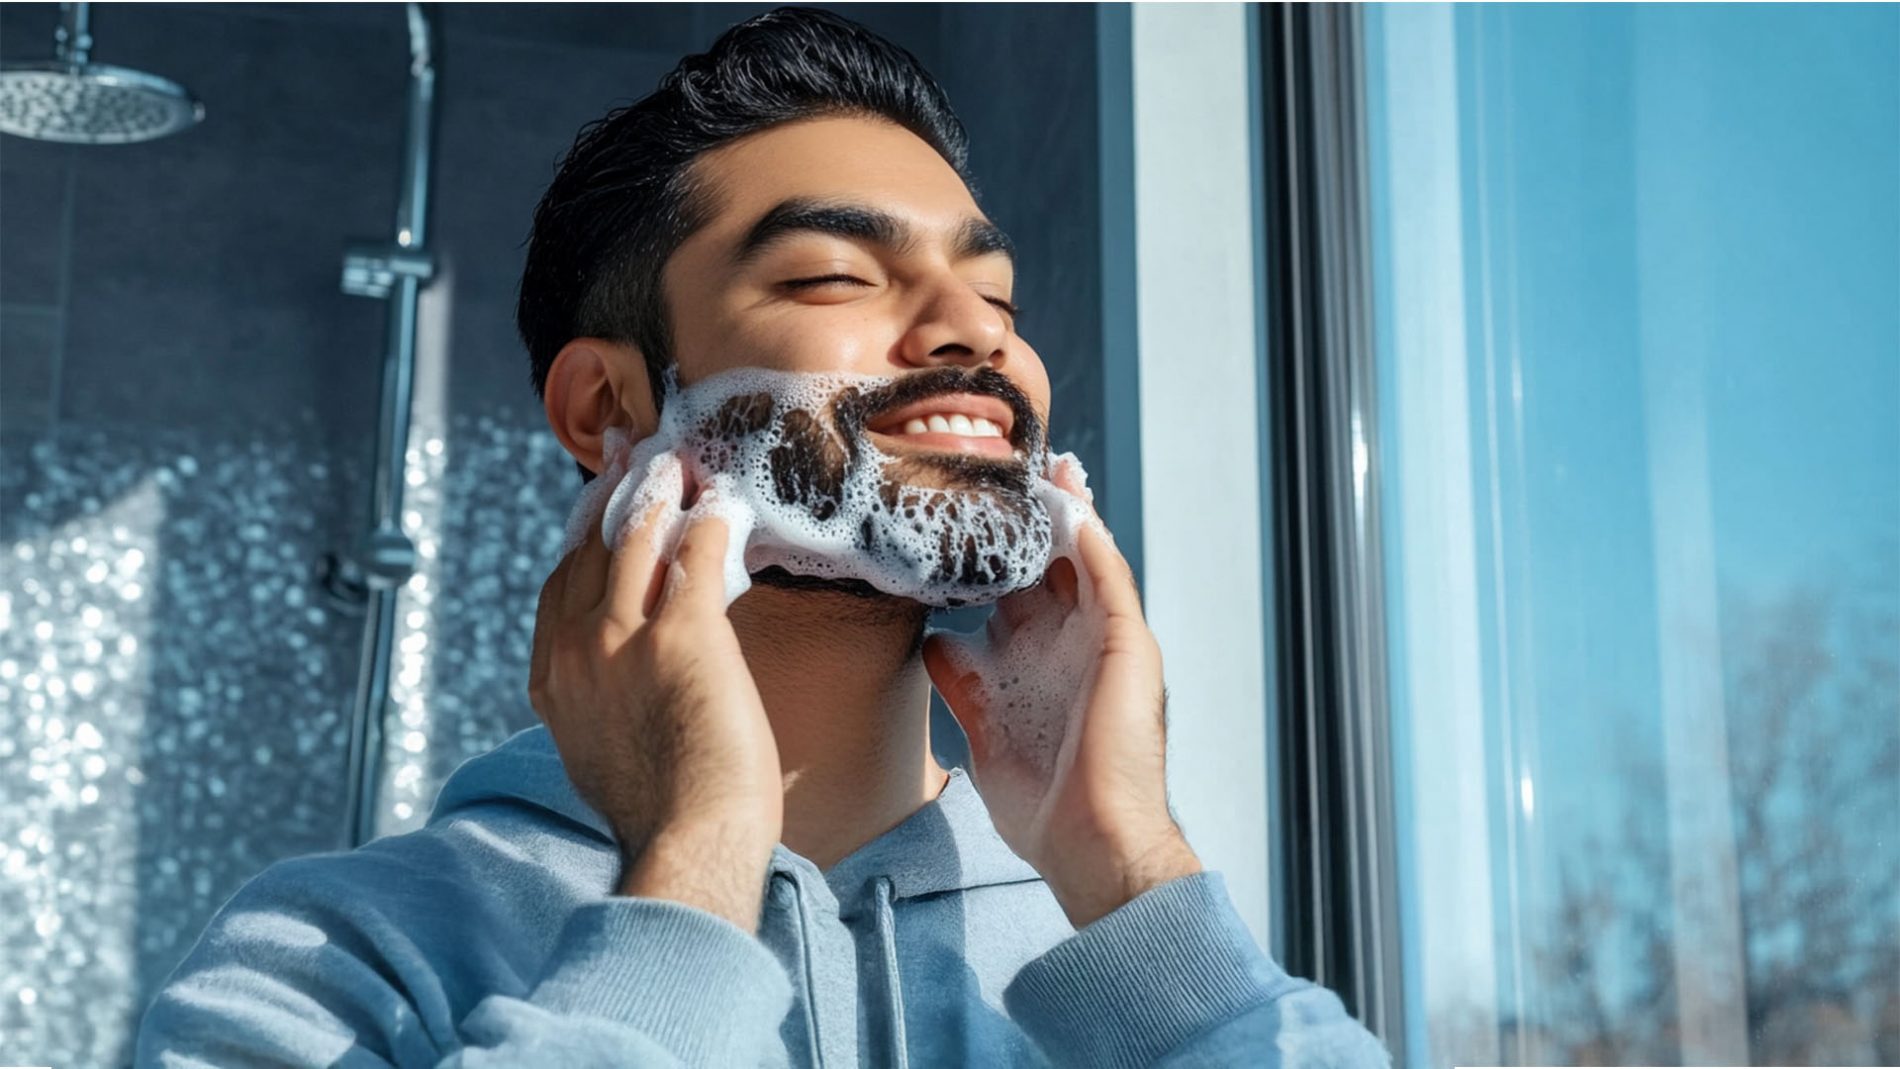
x,y
92,105
79,102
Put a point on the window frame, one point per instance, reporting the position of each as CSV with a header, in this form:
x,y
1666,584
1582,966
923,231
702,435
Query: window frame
x,y
1334,850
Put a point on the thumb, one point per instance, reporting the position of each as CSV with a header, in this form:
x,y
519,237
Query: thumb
x,y
952,668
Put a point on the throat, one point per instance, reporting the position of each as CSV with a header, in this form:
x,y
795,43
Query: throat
x,y
827,826
848,700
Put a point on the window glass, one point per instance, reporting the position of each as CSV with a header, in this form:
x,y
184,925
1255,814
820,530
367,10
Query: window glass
x,y
1637,277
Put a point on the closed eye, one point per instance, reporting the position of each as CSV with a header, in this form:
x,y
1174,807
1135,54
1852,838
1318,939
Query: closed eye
x,y
801,283
819,280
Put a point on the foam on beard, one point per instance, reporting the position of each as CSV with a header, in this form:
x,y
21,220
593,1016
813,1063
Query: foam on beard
x,y
781,457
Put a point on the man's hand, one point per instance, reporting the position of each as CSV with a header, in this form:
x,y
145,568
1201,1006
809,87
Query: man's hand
x,y
639,677
1097,825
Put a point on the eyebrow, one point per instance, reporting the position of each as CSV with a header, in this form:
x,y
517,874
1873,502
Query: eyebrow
x,y
976,236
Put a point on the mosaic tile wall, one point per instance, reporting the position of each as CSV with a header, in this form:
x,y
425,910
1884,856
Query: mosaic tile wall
x,y
177,688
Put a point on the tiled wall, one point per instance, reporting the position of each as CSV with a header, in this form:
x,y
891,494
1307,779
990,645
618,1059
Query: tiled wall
x,y
187,412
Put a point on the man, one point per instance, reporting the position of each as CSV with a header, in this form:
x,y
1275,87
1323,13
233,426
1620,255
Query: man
x,y
729,844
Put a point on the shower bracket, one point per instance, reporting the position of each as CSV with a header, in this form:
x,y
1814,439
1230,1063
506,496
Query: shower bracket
x,y
383,559
371,268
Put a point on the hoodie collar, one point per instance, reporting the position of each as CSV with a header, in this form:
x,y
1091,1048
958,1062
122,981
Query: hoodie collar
x,y
949,844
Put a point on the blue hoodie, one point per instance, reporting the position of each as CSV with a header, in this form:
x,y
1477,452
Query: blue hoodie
x,y
491,938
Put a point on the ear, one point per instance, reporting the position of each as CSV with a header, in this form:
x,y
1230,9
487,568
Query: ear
x,y
595,384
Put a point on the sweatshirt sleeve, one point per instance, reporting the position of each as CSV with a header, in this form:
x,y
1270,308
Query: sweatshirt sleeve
x,y
286,977
1174,978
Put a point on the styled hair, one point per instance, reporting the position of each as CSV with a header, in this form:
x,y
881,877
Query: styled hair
x,y
626,197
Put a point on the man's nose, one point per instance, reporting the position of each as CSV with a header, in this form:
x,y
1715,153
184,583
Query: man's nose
x,y
956,324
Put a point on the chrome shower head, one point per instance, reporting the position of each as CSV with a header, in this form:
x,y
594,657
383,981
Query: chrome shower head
x,y
79,102
92,105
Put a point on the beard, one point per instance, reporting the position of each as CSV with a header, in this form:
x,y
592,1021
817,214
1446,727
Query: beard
x,y
968,507
812,502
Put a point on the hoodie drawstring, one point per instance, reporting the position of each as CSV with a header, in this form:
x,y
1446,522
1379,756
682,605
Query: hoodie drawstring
x,y
804,961
887,933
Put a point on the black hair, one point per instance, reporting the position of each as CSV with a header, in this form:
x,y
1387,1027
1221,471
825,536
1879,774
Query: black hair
x,y
625,198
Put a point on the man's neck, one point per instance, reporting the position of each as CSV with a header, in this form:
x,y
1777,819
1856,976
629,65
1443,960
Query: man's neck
x,y
849,704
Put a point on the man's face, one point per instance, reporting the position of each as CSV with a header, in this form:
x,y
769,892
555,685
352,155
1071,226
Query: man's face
x,y
850,245
922,305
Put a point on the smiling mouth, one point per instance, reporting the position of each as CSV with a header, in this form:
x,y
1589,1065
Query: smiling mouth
x,y
929,441
971,423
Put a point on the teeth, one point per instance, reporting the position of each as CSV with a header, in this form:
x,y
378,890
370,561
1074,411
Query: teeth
x,y
966,426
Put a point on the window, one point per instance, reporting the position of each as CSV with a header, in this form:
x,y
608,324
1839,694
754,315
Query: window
x,y
1636,312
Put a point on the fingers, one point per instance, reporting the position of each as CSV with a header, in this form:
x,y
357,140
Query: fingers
x,y
696,581
586,571
997,762
1062,473
1013,610
633,579
546,616
946,662
1108,574
1061,579
1095,546
1051,597
1099,561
